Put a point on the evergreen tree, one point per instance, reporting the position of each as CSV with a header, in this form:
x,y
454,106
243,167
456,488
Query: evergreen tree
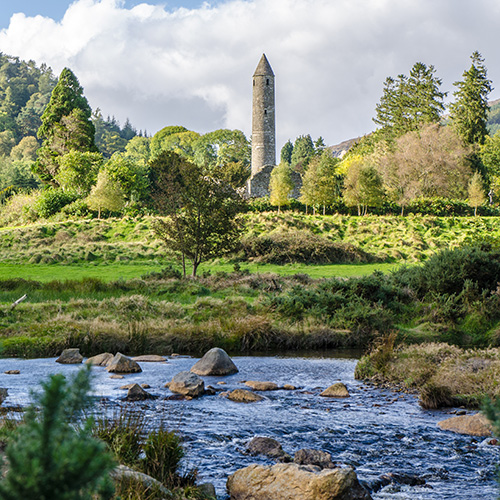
x,y
303,151
286,152
53,455
407,103
469,112
66,126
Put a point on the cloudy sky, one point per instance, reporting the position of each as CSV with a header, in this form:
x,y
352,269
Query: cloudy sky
x,y
189,62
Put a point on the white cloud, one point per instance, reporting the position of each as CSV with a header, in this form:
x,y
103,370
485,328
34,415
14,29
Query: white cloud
x,y
194,67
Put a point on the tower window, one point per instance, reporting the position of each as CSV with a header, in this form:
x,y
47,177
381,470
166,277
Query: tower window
x,y
267,81
265,111
254,83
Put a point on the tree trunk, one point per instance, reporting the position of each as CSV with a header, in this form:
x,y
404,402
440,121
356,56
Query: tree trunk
x,y
475,211
183,265
402,210
324,209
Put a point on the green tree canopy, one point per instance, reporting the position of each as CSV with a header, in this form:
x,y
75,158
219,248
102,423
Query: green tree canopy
x,y
66,126
280,185
407,103
106,194
286,152
303,151
469,112
202,212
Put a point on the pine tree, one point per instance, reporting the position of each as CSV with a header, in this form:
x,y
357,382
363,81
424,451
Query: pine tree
x,y
53,455
66,126
469,112
407,103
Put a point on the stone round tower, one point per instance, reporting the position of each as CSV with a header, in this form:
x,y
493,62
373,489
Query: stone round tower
x,y
263,117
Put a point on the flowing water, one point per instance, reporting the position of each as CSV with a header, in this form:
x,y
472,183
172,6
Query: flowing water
x,y
376,431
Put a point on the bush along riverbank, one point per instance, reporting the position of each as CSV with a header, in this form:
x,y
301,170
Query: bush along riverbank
x,y
443,375
452,297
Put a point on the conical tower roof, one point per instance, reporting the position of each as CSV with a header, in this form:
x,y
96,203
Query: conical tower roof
x,y
263,68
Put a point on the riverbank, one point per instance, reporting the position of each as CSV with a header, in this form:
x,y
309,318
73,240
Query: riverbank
x,y
442,375
451,298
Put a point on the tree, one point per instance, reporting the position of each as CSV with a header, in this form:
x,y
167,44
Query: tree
x,y
280,185
131,176
53,454
363,185
286,152
322,183
106,194
201,212
138,149
490,158
303,151
78,171
427,163
224,154
66,126
476,192
469,112
407,103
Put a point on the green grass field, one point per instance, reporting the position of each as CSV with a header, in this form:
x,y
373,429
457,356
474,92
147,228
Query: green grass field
x,y
125,271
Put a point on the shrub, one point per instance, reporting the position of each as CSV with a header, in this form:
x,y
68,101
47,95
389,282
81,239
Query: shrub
x,y
52,201
448,271
284,247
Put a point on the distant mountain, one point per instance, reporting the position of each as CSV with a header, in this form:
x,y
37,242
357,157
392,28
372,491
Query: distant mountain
x,y
494,117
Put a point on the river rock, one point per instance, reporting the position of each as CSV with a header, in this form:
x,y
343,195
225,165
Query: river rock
x,y
187,384
307,456
137,393
473,425
100,360
338,390
261,386
294,482
215,362
13,372
70,357
150,358
269,447
289,387
124,475
242,396
122,364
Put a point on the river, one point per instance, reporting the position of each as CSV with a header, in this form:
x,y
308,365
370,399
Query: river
x,y
376,431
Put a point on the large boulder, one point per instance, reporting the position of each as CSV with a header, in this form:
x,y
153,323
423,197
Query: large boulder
x,y
473,425
187,384
215,362
122,364
261,386
269,447
337,390
137,393
100,360
307,456
70,357
242,396
294,482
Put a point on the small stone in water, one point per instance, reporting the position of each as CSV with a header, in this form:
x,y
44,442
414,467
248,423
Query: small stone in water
x,y
12,372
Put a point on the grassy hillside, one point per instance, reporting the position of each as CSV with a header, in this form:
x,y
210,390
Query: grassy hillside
x,y
389,238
